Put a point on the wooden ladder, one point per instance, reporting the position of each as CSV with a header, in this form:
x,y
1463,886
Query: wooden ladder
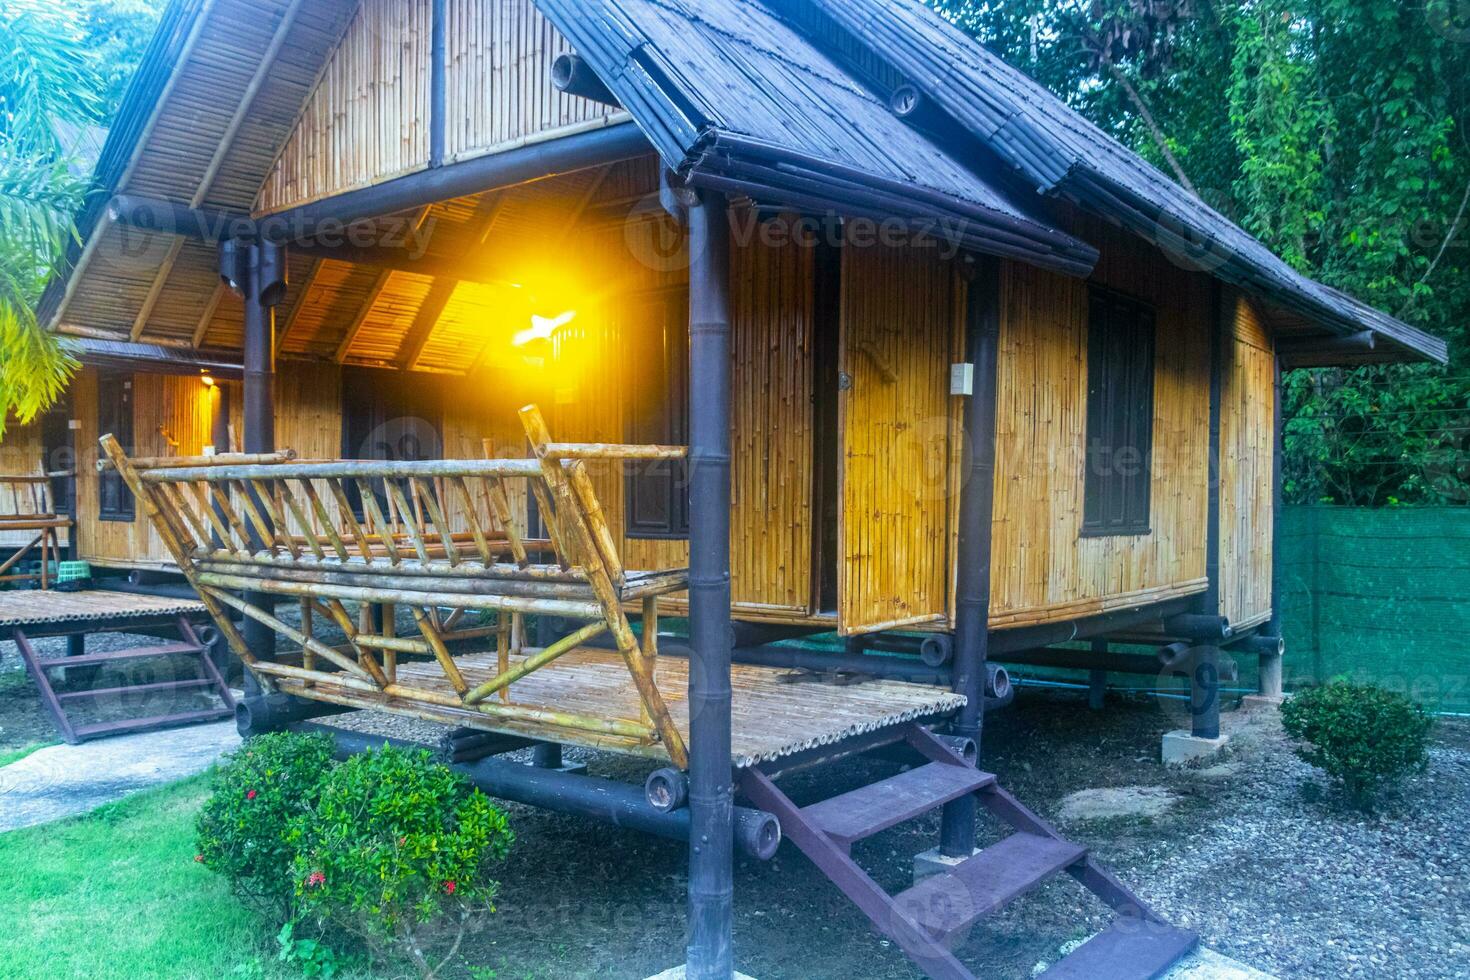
x,y
928,918
209,679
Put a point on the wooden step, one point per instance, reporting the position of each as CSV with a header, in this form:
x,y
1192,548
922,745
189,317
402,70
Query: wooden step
x,y
945,903
145,724
136,653
878,806
137,689
1131,949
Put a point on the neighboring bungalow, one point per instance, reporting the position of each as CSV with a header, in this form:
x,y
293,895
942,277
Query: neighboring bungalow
x,y
948,360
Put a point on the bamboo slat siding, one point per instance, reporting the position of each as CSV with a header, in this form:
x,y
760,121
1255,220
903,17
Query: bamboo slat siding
x,y
368,119
1247,423
171,417
498,79
20,455
900,323
1042,568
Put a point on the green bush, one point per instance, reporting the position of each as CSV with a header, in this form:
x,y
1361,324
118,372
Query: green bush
x,y
1362,736
398,852
242,828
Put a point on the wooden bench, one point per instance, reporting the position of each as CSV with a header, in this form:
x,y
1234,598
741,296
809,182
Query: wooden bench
x,y
430,535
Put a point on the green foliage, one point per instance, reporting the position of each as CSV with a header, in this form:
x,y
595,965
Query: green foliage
x,y
398,852
244,829
1362,736
1335,131
312,957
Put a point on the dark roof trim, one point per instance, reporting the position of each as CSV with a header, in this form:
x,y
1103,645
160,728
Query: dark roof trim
x,y
140,102
152,358
1061,153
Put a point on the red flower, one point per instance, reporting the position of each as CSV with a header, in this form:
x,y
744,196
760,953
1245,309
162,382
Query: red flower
x,y
250,795
402,841
316,878
449,888
199,858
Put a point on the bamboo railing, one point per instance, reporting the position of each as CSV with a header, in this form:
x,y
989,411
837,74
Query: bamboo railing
x,y
26,505
432,536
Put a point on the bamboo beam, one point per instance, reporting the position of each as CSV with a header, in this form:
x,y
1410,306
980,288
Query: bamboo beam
x,y
202,328
534,662
350,468
302,289
355,327
547,607
160,278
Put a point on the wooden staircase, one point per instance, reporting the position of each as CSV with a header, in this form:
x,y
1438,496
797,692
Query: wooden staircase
x,y
209,680
929,918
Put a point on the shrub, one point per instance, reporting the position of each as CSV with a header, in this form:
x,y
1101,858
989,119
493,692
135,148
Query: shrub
x,y
1361,735
242,828
398,853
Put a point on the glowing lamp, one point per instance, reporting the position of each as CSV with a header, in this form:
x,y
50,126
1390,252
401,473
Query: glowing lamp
x,y
542,327
208,380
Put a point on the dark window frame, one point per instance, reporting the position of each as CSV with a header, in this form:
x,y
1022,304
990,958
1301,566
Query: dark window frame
x,y
656,492
1121,346
115,501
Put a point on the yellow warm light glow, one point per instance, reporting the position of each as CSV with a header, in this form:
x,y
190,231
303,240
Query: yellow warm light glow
x,y
208,381
542,327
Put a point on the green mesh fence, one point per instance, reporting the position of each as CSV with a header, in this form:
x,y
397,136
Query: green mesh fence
x,y
1378,595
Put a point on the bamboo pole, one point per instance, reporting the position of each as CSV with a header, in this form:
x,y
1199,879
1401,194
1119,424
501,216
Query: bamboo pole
x,y
549,607
597,576
306,642
440,651
534,662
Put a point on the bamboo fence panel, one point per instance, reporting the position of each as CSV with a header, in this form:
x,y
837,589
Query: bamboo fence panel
x,y
1247,429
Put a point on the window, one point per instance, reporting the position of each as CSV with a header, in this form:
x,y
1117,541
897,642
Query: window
x,y
658,345
115,416
1120,415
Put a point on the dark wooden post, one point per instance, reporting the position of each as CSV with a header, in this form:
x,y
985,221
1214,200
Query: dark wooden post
x,y
438,69
256,271
972,604
1204,674
711,789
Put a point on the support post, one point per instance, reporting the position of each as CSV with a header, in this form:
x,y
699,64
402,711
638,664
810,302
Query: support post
x,y
1097,678
1204,692
256,271
711,785
1269,682
972,606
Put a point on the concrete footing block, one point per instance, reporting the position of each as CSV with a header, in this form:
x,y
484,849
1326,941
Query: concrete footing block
x,y
1261,702
1181,747
931,863
677,973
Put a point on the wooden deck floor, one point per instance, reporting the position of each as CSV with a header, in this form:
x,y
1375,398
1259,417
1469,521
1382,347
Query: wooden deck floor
x,y
36,608
775,712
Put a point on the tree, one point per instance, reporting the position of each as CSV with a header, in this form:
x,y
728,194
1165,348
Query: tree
x,y
59,65
1336,132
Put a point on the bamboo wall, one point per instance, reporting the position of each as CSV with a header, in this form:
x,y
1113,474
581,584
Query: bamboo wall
x,y
367,120
20,455
1043,569
901,329
171,416
1247,426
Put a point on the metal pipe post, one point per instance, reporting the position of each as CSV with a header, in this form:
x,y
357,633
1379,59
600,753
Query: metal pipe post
x,y
711,786
972,607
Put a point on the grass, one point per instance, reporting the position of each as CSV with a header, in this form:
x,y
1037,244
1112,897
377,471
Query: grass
x,y
117,894
7,756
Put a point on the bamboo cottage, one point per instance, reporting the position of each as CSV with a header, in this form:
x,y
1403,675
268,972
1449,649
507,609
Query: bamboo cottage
x,y
946,359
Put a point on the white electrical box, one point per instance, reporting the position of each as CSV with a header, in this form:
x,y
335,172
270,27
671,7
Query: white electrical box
x,y
962,379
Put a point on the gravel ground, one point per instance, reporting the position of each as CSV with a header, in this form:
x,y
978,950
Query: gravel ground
x,y
1267,866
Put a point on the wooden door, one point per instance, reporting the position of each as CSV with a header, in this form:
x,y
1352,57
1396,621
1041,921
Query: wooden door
x,y
900,320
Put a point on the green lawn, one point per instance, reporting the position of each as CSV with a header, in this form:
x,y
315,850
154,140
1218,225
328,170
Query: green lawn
x,y
117,893
7,756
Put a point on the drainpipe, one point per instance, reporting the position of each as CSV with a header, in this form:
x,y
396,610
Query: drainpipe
x,y
972,603
711,785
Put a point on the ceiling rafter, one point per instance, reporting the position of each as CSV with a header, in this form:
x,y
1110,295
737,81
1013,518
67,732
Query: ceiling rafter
x,y
363,313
